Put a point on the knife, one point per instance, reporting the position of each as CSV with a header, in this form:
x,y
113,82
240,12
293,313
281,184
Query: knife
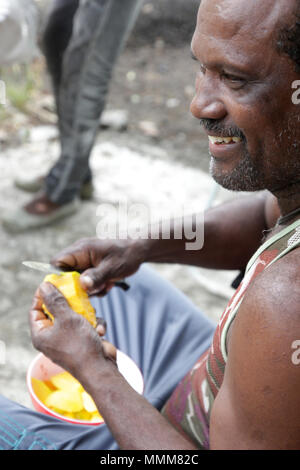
x,y
48,268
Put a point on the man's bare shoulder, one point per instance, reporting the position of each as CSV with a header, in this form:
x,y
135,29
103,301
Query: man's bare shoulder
x,y
268,321
275,293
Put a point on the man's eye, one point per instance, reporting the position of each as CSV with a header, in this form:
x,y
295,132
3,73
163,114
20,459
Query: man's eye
x,y
236,82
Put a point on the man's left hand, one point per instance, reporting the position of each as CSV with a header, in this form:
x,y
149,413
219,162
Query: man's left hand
x,y
70,341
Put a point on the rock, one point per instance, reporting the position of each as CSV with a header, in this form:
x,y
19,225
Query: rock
x,y
4,136
42,114
172,103
131,75
135,99
43,133
47,103
148,8
149,128
116,119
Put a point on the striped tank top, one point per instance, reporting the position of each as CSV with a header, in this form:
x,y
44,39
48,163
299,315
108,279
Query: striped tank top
x,y
189,407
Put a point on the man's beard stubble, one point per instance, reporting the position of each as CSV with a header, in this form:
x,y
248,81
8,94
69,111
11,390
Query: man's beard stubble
x,y
244,177
253,173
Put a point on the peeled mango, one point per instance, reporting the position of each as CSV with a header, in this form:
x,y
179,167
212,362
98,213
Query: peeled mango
x,y
69,285
64,395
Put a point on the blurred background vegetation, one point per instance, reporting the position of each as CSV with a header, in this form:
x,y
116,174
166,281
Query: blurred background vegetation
x,y
22,83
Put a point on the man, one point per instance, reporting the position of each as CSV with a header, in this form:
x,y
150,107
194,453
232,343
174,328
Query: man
x,y
82,41
242,393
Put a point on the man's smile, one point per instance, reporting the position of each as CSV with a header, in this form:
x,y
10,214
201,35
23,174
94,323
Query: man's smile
x,y
222,147
224,140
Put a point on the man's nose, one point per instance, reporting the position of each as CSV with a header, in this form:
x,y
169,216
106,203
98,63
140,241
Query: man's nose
x,y
207,104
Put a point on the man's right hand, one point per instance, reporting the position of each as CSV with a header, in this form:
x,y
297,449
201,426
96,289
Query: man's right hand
x,y
101,262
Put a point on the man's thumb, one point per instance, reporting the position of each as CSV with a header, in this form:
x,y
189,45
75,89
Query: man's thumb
x,y
54,301
93,280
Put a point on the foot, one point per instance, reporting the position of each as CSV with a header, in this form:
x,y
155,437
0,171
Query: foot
x,y
33,185
38,213
41,205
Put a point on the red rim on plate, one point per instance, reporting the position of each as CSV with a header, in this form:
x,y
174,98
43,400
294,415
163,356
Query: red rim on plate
x,y
43,368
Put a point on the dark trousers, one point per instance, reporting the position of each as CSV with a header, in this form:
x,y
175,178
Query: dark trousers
x,y
57,35
82,42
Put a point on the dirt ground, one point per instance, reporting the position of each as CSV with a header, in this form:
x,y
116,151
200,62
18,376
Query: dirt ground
x,y
160,158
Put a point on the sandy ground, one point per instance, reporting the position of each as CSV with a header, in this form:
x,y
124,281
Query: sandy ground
x,y
162,165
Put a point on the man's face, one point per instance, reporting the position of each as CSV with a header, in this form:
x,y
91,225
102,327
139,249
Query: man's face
x,y
244,93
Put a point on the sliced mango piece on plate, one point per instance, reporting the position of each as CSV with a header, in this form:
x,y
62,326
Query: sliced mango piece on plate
x,y
65,381
50,385
83,415
88,403
64,395
41,390
95,417
64,413
65,401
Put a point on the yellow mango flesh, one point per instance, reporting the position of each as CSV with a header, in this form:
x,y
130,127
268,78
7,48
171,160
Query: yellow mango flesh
x,y
88,403
41,389
96,417
65,381
64,395
69,285
65,401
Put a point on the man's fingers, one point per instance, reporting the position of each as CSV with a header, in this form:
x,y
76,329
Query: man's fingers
x,y
95,280
109,350
37,314
37,318
101,326
76,257
38,321
55,302
65,262
37,302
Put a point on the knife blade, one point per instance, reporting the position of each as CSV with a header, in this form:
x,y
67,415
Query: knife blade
x,y
44,267
50,269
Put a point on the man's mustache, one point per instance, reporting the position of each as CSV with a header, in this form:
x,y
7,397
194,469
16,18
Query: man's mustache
x,y
213,125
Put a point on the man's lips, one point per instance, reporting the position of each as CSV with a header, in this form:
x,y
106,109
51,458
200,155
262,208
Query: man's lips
x,y
222,147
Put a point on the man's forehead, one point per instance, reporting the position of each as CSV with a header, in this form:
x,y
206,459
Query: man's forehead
x,y
230,18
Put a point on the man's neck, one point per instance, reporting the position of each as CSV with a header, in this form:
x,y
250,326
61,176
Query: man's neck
x,y
288,199
288,206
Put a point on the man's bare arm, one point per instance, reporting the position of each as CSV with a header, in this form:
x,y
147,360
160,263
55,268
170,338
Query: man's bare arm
x,y
232,233
133,421
258,405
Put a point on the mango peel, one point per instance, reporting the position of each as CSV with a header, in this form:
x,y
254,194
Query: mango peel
x,y
69,285
64,395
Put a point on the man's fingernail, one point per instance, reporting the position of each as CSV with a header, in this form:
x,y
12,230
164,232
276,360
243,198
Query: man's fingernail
x,y
87,281
101,330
